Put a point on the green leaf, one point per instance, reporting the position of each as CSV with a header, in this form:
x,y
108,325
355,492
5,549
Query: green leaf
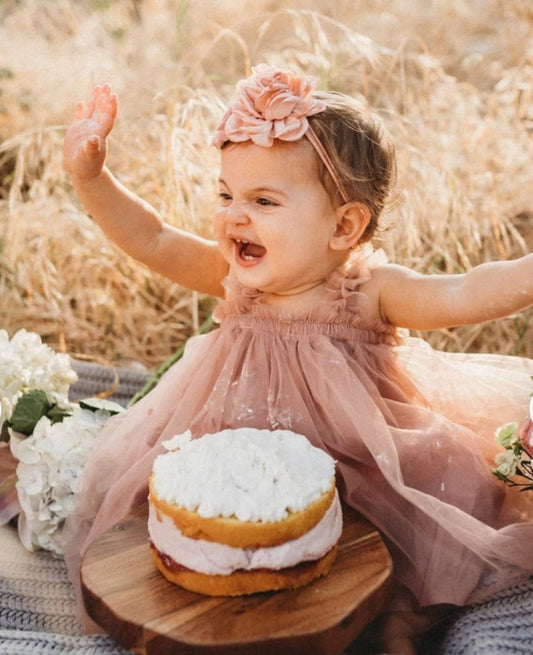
x,y
4,433
94,404
56,414
29,409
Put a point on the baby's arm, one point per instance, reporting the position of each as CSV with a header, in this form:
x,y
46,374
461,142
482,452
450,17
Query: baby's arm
x,y
428,302
134,225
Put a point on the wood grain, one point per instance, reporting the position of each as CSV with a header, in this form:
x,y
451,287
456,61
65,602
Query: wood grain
x,y
125,594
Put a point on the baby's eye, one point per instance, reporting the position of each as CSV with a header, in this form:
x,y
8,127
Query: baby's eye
x,y
224,197
266,202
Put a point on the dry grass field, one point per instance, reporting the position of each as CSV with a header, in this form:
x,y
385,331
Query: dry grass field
x,y
453,80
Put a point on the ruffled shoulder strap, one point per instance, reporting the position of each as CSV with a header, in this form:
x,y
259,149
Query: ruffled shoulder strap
x,y
345,298
363,261
345,281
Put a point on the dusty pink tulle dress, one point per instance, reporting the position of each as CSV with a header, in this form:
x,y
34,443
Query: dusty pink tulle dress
x,y
412,431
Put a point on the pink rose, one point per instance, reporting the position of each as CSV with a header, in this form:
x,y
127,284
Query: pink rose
x,y
270,104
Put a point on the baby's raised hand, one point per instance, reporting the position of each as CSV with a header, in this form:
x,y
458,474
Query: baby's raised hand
x,y
84,148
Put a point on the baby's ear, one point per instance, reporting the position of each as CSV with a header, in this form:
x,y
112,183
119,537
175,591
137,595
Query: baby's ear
x,y
352,219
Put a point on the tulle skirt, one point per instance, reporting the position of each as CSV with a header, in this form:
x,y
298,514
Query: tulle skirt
x,y
411,428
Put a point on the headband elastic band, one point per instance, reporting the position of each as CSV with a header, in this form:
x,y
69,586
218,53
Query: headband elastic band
x,y
311,136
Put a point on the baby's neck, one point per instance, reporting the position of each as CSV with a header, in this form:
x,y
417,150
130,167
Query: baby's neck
x,y
298,299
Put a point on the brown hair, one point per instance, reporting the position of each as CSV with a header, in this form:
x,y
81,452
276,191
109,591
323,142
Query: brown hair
x,y
360,150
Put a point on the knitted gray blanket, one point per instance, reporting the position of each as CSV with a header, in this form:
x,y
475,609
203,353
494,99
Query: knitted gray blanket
x,y
501,625
37,605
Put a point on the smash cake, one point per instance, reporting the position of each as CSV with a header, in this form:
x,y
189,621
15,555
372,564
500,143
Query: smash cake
x,y
243,511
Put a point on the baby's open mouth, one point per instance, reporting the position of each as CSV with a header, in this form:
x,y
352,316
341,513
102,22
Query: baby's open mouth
x,y
249,251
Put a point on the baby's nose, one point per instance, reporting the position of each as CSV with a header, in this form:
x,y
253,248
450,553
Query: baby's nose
x,y
236,214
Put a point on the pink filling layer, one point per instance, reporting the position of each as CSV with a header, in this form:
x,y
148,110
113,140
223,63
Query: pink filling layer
x,y
218,559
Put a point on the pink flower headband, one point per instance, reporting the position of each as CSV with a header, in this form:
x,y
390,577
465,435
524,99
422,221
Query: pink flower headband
x,y
274,104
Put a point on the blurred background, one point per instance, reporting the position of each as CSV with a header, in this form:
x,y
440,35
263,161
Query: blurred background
x,y
452,79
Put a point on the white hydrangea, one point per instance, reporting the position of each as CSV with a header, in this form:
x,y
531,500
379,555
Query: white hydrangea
x,y
507,435
51,461
514,466
27,363
507,463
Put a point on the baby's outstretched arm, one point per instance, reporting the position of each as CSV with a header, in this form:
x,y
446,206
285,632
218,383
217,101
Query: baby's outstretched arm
x,y
429,302
134,225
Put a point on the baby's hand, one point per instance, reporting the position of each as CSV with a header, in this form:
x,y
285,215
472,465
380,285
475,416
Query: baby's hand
x,y
84,148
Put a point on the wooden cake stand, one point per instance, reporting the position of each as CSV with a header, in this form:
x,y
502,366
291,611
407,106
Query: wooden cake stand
x,y
126,595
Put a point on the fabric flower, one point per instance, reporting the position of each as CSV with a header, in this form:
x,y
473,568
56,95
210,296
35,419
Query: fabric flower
x,y
270,104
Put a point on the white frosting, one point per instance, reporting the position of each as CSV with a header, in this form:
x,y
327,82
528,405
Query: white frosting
x,y
218,559
254,475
